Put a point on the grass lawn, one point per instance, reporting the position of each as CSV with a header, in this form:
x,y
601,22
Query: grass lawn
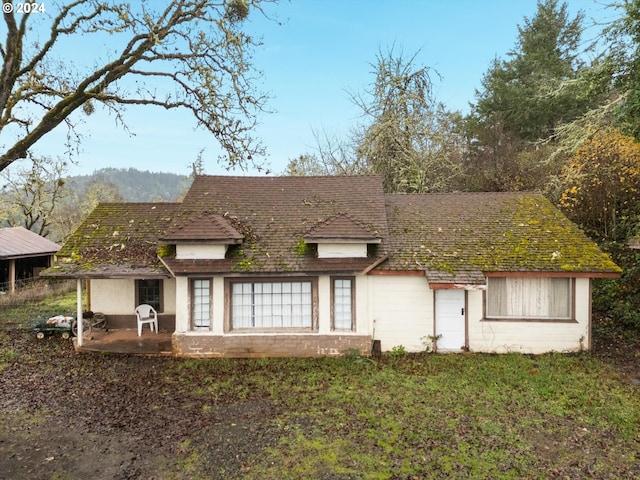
x,y
404,417
435,416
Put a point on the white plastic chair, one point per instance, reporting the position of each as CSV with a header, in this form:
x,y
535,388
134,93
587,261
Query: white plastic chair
x,y
146,314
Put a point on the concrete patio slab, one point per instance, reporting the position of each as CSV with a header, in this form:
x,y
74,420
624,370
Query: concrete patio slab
x,y
126,341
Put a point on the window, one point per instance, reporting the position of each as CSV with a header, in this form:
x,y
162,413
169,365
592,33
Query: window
x,y
265,305
201,303
149,292
342,303
529,298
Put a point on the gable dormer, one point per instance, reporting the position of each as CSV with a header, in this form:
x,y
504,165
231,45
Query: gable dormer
x,y
203,237
341,236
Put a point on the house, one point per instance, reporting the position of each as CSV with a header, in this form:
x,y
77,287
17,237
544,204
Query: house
x,y
314,266
23,255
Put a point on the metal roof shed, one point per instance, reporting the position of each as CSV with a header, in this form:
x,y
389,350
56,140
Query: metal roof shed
x,y
22,252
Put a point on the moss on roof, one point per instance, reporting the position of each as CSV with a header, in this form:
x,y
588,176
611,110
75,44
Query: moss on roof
x,y
116,238
457,237
453,237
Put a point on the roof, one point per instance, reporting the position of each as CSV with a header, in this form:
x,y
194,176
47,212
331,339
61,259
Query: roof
x,y
459,237
274,214
341,228
116,240
18,242
273,223
204,227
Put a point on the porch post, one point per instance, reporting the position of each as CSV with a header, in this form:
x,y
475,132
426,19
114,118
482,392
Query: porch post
x,y
79,310
12,275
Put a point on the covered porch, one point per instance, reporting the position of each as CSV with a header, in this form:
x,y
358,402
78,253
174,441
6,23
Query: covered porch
x,y
125,341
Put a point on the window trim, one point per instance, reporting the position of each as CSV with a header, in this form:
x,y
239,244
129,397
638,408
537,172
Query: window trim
x,y
572,303
352,279
160,308
192,325
228,293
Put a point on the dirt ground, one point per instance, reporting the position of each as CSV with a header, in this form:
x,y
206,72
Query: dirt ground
x,y
110,417
117,417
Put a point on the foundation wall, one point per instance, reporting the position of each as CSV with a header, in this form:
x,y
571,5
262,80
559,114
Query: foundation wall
x,y
253,346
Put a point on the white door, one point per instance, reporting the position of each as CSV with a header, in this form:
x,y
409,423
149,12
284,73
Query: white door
x,y
450,319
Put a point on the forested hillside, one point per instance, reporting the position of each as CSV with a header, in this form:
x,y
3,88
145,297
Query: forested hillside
x,y
135,185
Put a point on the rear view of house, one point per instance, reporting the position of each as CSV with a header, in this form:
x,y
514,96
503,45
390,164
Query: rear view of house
x,y
313,266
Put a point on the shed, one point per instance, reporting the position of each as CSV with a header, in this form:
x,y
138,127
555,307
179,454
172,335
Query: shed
x,y
23,255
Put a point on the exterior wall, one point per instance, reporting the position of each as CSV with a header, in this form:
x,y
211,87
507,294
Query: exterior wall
x,y
113,296
116,298
342,250
529,336
323,342
402,309
403,313
200,251
397,310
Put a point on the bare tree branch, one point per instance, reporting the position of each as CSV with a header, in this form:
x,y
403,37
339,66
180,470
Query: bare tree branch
x,y
196,49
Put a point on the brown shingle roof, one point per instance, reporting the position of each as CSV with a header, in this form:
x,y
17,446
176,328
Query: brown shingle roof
x,y
116,239
275,213
341,227
204,227
456,237
18,242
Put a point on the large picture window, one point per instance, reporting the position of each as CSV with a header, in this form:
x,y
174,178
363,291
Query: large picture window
x,y
149,292
201,303
342,303
542,298
266,305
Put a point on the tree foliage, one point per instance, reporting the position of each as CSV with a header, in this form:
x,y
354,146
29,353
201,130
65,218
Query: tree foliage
x,y
531,93
601,183
408,137
333,156
620,71
32,194
182,54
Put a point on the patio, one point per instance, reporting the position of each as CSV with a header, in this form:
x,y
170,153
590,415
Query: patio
x,y
126,341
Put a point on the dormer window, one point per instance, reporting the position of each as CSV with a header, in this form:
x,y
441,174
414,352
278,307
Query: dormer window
x,y
341,236
204,237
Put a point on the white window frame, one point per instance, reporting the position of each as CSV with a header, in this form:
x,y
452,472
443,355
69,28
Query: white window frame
x,y
534,298
271,304
201,304
343,309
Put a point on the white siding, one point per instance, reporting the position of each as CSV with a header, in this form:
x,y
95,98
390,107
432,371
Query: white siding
x,y
402,308
182,305
169,296
113,296
398,310
529,336
200,251
342,250
118,296
324,304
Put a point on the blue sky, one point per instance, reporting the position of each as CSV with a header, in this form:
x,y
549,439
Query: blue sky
x,y
322,49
